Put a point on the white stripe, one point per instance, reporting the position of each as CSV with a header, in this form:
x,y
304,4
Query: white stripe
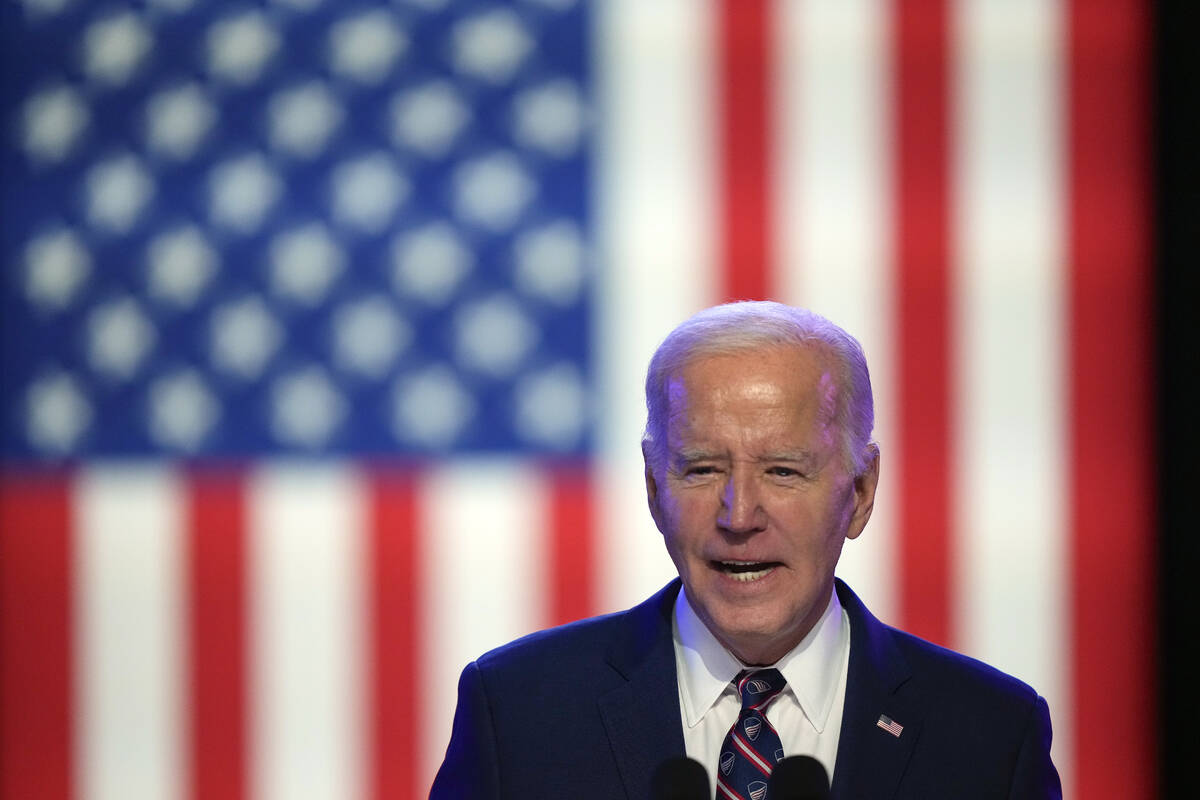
x,y
749,753
129,634
832,223
307,599
728,792
1012,581
655,221
485,547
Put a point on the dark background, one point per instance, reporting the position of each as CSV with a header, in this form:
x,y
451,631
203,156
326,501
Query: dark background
x,y
1177,227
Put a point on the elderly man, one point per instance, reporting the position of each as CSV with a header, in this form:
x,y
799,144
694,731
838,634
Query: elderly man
x,y
759,465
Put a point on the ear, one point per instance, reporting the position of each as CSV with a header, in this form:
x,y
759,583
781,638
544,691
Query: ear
x,y
652,496
865,484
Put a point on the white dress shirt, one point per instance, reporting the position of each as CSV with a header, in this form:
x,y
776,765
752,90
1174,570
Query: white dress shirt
x,y
807,714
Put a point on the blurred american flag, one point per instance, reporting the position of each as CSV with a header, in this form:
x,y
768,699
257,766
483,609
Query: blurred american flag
x,y
324,324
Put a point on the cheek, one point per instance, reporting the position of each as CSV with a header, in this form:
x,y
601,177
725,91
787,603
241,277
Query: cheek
x,y
808,525
668,508
685,512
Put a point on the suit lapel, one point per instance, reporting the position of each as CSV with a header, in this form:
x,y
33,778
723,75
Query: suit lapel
x,y
871,760
642,717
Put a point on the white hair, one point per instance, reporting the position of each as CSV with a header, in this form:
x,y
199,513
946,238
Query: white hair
x,y
748,325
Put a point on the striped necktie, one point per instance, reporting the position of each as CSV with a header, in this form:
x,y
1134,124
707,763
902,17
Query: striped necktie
x,y
752,747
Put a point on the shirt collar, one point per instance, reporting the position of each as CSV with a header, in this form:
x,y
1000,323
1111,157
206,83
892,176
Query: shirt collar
x,y
811,668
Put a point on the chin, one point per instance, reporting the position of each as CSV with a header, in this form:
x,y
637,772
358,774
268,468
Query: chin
x,y
751,633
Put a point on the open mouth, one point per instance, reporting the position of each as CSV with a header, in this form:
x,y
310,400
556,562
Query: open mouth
x,y
745,571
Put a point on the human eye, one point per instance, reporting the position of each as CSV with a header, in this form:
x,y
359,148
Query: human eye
x,y
697,468
783,471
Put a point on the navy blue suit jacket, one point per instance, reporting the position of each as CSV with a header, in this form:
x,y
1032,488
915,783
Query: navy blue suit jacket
x,y
590,709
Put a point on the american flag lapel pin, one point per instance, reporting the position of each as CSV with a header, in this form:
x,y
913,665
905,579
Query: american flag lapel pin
x,y
890,725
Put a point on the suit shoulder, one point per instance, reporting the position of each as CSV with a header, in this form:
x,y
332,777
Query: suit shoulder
x,y
602,648
936,670
580,638
569,661
952,672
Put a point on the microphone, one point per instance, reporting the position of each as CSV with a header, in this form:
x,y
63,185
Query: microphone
x,y
798,778
680,778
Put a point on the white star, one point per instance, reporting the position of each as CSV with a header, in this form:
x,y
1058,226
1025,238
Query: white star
x,y
304,262
428,118
182,410
243,336
550,117
239,47
45,8
550,406
430,262
492,191
491,46
119,338
368,335
53,119
117,192
57,413
430,408
550,262
303,118
173,5
178,119
242,191
113,48
57,265
367,191
306,408
364,47
492,336
181,264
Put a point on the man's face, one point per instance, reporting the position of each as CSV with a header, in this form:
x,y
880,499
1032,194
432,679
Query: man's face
x,y
754,498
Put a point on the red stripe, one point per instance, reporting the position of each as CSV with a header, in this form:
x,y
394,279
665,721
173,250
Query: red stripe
x,y
395,679
752,755
730,793
571,545
1111,455
743,87
216,541
922,236
35,639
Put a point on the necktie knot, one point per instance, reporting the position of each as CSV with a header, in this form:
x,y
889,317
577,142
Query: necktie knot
x,y
758,687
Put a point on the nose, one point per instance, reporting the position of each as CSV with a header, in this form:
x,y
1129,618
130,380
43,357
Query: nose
x,y
741,504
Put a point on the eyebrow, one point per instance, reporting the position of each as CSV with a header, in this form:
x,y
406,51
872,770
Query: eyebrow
x,y
691,456
806,457
789,455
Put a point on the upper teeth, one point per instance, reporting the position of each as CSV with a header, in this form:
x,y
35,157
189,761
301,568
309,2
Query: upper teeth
x,y
748,575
